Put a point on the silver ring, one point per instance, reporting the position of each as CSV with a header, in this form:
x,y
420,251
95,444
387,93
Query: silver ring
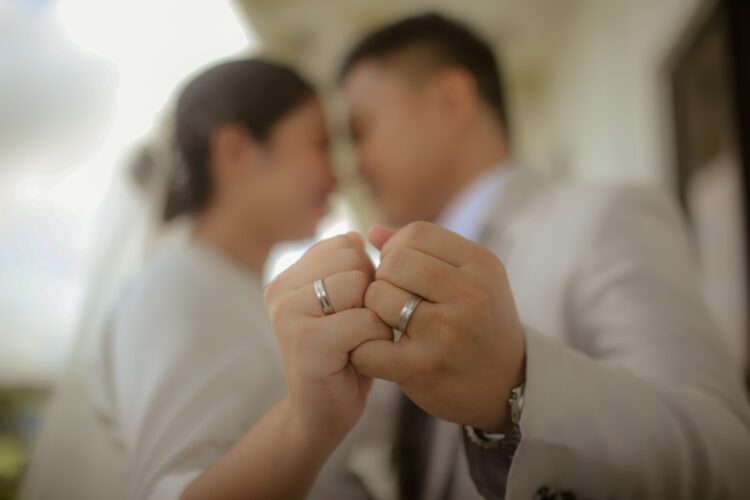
x,y
323,298
406,312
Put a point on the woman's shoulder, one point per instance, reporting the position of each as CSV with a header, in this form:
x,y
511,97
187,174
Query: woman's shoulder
x,y
178,283
183,297
170,273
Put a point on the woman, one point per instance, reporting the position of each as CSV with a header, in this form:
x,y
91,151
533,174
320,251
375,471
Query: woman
x,y
196,386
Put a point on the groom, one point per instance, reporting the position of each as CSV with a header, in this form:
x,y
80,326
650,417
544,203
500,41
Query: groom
x,y
561,327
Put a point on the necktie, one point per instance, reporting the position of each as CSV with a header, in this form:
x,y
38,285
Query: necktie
x,y
412,448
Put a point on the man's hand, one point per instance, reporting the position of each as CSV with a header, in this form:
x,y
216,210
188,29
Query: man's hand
x,y
463,350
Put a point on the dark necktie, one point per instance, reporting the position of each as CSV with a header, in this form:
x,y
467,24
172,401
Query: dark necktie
x,y
412,448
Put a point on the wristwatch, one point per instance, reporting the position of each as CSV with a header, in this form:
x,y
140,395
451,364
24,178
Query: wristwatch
x,y
508,442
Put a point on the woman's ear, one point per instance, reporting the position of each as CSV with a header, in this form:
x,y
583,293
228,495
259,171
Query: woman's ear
x,y
232,148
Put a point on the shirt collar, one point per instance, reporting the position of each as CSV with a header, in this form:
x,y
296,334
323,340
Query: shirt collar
x,y
468,211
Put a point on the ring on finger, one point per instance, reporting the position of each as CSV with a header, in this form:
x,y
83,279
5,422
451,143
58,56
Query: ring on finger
x,y
323,298
406,313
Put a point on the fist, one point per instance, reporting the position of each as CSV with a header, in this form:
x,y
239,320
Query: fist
x,y
326,395
463,350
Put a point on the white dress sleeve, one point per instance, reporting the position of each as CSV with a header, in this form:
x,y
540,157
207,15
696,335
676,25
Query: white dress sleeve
x,y
194,366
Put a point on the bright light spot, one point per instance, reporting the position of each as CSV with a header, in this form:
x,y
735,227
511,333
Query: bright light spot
x,y
50,222
92,24
338,221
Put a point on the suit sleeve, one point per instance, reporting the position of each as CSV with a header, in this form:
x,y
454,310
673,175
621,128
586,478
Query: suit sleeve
x,y
643,401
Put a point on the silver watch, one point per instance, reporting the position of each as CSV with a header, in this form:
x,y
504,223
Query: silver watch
x,y
508,442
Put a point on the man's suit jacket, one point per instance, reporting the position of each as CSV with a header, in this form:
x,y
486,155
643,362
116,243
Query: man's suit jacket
x,y
628,394
629,390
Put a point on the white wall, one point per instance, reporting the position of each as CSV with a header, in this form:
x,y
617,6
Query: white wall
x,y
592,104
591,101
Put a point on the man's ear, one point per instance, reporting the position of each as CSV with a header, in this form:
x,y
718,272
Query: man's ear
x,y
459,95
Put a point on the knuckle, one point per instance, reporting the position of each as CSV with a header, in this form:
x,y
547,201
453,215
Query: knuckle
x,y
269,292
280,309
368,318
273,312
372,322
500,268
335,242
374,293
489,261
365,264
478,299
358,358
351,258
416,231
353,289
436,320
343,241
360,281
392,261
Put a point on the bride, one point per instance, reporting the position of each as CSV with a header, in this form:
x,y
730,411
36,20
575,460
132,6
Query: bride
x,y
203,399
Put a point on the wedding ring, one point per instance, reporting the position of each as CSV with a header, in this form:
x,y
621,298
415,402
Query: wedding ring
x,y
405,316
323,298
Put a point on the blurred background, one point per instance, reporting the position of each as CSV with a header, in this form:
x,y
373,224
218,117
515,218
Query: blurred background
x,y
615,91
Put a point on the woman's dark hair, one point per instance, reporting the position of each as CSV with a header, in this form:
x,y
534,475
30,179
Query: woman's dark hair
x,y
253,93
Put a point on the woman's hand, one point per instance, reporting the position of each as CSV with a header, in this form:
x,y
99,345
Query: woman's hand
x,y
280,457
326,395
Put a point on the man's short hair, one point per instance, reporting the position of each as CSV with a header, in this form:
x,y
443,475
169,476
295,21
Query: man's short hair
x,y
441,42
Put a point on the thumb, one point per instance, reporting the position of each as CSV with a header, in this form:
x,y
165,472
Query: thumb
x,y
379,235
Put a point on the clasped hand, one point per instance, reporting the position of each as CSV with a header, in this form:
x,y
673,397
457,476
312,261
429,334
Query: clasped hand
x,y
463,349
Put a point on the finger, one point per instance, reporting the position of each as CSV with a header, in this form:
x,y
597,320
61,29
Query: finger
x,y
432,240
384,359
379,235
349,240
387,300
318,266
346,290
347,330
420,273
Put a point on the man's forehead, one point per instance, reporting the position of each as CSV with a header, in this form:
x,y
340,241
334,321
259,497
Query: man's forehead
x,y
374,85
365,77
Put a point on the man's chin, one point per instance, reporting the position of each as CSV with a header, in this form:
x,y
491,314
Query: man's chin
x,y
398,218
396,214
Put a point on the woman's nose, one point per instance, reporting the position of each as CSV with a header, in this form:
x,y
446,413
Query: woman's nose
x,y
334,182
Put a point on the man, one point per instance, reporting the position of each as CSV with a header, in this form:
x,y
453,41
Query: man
x,y
616,386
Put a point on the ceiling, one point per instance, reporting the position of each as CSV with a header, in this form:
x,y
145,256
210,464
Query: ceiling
x,y
314,35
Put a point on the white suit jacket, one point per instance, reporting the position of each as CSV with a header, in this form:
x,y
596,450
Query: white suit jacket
x,y
629,391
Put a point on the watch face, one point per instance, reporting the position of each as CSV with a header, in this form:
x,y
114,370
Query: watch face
x,y
515,402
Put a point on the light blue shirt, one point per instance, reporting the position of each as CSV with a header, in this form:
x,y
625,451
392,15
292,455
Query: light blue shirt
x,y
468,211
